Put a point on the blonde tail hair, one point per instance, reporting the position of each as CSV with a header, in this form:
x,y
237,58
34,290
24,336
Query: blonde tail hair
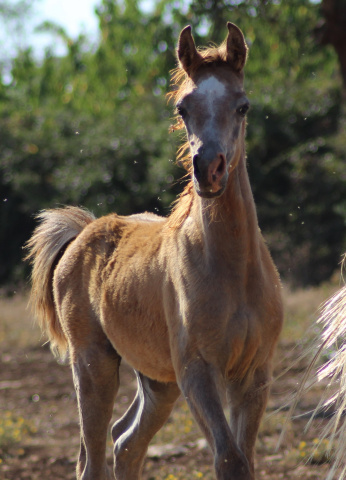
x,y
57,228
334,371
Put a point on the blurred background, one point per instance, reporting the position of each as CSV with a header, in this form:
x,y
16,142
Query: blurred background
x,y
84,119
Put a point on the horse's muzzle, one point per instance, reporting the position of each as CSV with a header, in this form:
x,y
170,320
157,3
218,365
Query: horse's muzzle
x,y
210,175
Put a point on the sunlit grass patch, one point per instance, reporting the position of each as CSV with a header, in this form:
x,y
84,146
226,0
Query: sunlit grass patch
x,y
181,475
13,429
316,452
181,427
187,472
321,451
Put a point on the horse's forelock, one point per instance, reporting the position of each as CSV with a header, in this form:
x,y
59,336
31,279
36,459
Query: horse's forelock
x,y
179,77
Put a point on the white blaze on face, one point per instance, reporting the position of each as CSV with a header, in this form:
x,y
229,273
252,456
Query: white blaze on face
x,y
212,90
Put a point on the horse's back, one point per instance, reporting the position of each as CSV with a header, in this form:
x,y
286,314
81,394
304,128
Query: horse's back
x,y
108,239
111,278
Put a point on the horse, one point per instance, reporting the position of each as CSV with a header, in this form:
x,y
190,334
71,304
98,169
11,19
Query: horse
x,y
332,372
191,301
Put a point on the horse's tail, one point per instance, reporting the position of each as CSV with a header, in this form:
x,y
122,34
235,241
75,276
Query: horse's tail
x,y
332,342
57,228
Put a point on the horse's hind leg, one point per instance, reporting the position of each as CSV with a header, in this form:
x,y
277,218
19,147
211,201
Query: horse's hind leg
x,y
146,415
95,372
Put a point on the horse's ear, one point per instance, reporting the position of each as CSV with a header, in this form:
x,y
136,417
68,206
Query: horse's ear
x,y
236,47
187,52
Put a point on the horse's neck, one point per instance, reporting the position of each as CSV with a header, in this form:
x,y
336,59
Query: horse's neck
x,y
228,225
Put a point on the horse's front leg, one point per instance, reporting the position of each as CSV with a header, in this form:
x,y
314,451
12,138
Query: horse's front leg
x,y
197,382
246,410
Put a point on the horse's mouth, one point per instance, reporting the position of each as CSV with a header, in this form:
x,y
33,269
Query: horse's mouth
x,y
210,193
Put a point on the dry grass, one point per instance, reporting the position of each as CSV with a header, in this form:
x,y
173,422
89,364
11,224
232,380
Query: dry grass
x,y
17,332
17,328
302,309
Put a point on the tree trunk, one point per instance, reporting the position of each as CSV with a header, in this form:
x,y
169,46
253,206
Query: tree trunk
x,y
332,30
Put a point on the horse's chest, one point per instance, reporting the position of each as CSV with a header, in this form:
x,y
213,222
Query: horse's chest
x,y
244,343
233,342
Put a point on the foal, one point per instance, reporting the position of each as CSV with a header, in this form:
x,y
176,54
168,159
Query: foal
x,y
192,302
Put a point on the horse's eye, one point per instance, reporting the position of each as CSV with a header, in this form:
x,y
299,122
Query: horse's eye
x,y
181,110
243,109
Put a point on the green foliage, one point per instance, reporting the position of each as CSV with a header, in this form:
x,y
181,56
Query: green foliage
x,y
90,128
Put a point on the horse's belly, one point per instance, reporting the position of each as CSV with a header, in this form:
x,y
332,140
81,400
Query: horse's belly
x,y
140,336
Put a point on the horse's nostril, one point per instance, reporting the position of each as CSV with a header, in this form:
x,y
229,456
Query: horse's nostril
x,y
222,164
196,169
218,167
216,170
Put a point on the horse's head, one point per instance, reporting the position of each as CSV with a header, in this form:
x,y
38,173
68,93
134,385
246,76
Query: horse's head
x,y
213,104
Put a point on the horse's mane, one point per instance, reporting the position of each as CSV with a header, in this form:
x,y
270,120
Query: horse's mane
x,y
179,83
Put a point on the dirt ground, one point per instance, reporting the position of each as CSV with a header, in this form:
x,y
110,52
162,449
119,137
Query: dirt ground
x,y
33,386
